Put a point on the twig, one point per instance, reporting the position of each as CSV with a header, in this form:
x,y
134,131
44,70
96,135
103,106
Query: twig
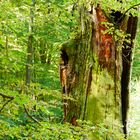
x,y
6,96
127,11
131,7
27,112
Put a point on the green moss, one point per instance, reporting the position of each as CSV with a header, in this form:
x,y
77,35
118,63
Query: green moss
x,y
101,100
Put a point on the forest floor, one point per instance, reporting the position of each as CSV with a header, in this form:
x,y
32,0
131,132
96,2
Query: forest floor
x,y
134,111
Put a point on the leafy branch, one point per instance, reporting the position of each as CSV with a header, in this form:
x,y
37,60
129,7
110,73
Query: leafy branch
x,y
123,14
133,6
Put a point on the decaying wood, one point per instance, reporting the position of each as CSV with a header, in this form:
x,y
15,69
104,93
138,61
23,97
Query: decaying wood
x,y
100,91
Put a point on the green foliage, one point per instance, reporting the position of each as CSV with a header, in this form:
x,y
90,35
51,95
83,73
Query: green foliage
x,y
35,111
40,103
136,61
125,6
103,131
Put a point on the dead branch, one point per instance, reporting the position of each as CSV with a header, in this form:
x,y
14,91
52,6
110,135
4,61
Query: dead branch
x,y
6,104
6,96
27,112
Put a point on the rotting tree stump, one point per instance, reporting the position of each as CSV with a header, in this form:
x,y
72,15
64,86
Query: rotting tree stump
x,y
93,72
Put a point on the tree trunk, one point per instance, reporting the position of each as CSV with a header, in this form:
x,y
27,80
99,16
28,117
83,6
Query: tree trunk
x,y
30,46
90,73
42,51
6,46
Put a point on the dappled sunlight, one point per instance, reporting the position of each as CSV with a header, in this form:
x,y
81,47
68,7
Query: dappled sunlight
x,y
134,111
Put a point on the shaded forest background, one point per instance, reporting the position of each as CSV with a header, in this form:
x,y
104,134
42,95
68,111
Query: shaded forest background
x,y
31,107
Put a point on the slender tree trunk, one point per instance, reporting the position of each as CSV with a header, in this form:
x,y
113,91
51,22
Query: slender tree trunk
x,y
6,55
30,45
43,51
6,46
